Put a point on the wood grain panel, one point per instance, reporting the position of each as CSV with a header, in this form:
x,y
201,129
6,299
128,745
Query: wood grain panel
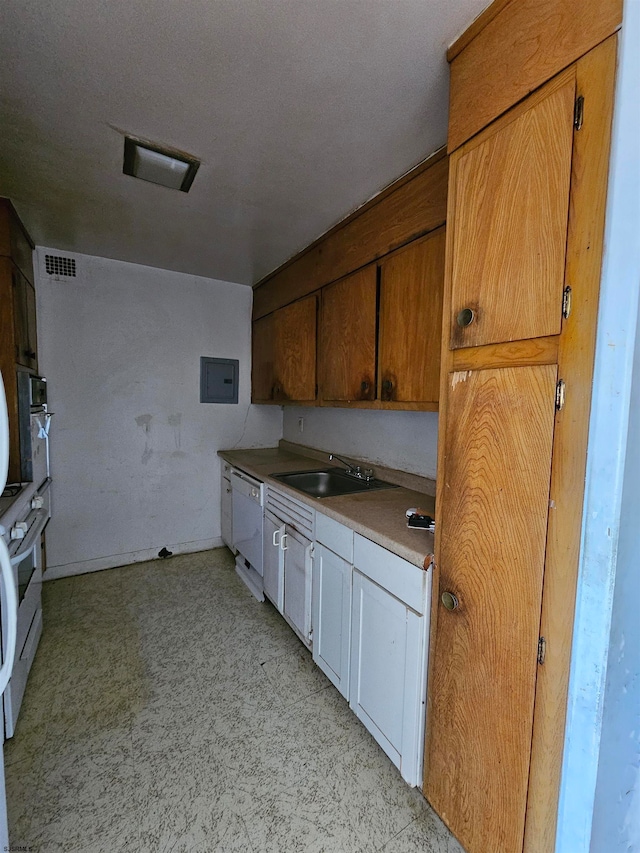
x,y
416,206
595,81
14,240
411,286
512,199
498,444
520,48
511,354
7,364
262,360
381,405
295,351
347,350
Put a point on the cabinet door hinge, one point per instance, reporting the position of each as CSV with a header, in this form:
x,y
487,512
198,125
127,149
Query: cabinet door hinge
x,y
542,650
578,112
560,394
566,302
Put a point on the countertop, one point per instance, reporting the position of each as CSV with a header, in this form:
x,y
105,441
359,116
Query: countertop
x,y
378,515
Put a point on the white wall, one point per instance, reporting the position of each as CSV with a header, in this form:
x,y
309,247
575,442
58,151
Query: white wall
x,y
133,451
599,809
404,440
616,812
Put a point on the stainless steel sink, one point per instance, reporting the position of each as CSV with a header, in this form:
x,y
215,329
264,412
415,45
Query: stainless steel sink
x,y
330,482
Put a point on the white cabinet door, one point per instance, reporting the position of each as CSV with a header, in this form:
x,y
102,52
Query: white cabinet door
x,y
388,676
332,616
273,566
297,583
225,512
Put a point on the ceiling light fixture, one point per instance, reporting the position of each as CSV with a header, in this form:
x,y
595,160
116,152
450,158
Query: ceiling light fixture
x,y
159,164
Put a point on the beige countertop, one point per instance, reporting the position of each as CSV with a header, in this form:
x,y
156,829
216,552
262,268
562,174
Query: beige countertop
x,y
378,515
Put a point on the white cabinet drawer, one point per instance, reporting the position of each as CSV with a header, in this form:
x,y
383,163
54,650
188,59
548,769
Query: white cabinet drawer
x,y
335,536
402,579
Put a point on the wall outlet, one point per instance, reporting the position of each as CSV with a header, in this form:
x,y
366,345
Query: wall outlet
x,y
300,424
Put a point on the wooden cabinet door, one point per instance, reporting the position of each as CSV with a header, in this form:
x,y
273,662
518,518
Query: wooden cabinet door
x,y
331,609
509,194
411,287
348,338
262,360
32,334
498,445
24,310
294,329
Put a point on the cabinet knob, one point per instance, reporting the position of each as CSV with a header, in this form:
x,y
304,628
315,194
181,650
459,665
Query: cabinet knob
x,y
387,389
449,600
465,317
364,387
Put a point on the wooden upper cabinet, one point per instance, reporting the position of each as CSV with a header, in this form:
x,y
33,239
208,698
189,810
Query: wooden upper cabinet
x,y
284,354
509,195
24,318
295,351
348,338
411,284
15,243
262,360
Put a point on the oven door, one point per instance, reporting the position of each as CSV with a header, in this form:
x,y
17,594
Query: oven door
x,y
26,562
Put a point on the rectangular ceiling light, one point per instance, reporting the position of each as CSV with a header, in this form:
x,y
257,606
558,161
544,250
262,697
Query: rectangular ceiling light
x,y
158,164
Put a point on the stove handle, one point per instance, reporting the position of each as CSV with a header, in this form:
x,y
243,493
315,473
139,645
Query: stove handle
x,y
9,615
30,540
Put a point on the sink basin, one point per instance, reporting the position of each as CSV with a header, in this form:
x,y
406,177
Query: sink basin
x,y
330,483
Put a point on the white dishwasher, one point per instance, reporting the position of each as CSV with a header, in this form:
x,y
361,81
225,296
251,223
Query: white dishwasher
x,y
247,500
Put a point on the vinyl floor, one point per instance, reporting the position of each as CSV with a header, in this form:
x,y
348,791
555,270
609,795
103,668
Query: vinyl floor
x,y
168,711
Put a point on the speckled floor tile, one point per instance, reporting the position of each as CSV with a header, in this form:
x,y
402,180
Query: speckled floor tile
x,y
170,712
294,676
426,834
372,795
297,819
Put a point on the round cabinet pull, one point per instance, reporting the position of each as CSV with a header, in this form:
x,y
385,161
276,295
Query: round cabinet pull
x,y
387,389
465,317
449,600
364,387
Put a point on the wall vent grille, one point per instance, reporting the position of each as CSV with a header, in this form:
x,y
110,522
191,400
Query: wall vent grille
x,y
57,265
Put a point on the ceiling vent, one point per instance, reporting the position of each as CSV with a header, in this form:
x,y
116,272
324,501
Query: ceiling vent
x,y
60,267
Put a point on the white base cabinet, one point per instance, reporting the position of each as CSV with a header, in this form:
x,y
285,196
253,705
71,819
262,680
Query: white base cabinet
x,y
332,616
389,627
298,556
226,507
273,561
288,559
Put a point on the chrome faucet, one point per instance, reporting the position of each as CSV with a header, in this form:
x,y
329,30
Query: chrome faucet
x,y
354,470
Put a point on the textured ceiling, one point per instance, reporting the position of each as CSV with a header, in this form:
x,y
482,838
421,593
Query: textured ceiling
x,y
300,111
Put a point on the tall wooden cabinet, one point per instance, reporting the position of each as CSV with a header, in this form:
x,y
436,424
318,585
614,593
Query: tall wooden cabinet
x,y
524,247
18,344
